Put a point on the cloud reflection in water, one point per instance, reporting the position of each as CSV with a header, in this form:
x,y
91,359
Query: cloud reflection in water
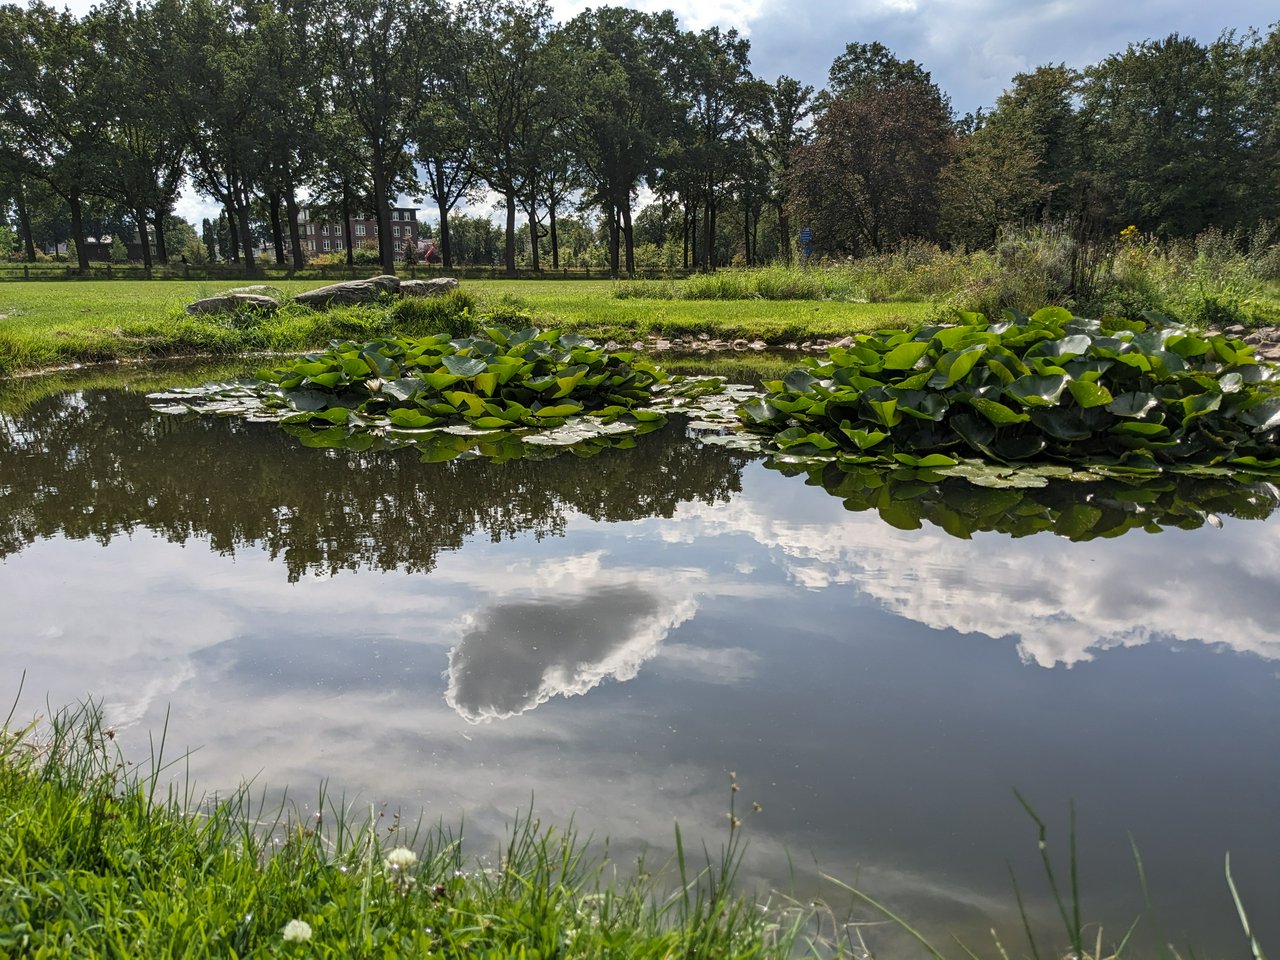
x,y
517,655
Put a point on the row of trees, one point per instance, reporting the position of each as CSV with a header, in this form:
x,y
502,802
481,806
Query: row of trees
x,y
348,103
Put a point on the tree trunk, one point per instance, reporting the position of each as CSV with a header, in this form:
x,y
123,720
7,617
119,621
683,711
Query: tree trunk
x,y
233,234
246,239
382,205
509,253
277,235
533,239
77,231
295,236
555,240
784,233
346,218
613,242
446,247
162,246
140,217
24,224
628,236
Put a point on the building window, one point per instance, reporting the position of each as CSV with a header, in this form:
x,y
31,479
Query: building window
x,y
326,246
359,229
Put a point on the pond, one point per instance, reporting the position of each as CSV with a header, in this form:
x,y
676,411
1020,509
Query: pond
x,y
610,637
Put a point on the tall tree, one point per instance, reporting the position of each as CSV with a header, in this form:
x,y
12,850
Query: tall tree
x,y
143,151
782,128
622,76
507,96
716,70
378,56
1038,112
444,146
51,76
207,58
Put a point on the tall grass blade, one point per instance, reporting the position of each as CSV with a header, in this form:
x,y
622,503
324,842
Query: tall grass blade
x,y
916,934
1255,948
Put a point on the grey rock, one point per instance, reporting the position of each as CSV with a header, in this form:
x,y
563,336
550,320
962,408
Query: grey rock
x,y
350,292
740,344
845,342
437,287
230,303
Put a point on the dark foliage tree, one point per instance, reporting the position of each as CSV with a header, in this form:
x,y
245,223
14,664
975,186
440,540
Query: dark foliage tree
x,y
869,179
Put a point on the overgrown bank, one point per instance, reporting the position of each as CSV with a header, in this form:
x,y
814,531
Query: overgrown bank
x,y
46,324
98,858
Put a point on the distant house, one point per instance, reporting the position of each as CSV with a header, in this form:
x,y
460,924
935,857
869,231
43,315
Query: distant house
x,y
329,235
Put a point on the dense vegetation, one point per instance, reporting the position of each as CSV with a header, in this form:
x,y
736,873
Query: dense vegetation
x,y
259,104
1046,389
98,859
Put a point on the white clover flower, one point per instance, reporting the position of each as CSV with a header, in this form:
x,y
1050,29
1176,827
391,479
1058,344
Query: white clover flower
x,y
296,931
401,858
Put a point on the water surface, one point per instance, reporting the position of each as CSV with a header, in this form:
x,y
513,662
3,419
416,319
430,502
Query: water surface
x,y
612,636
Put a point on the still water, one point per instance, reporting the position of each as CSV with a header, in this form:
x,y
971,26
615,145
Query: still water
x,y
611,636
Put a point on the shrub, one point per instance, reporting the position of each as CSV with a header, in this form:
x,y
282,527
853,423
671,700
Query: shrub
x,y
453,313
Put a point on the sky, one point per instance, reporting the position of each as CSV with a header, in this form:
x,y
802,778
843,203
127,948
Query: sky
x,y
973,48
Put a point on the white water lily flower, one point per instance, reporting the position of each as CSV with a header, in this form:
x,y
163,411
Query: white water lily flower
x,y
296,931
401,858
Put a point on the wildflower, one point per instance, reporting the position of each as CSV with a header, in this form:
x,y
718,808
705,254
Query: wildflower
x,y
401,858
296,931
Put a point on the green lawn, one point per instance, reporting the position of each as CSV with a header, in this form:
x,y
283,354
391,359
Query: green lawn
x,y
47,323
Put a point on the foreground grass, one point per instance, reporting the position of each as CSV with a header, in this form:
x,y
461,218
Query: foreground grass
x,y
97,859
46,324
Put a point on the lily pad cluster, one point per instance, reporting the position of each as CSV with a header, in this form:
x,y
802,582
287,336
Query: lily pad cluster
x,y
1049,388
505,394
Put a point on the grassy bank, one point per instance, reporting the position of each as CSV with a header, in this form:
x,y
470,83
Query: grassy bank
x,y
44,324
97,858
101,858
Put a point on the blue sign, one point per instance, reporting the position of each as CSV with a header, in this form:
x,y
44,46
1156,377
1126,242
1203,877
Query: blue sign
x,y
806,241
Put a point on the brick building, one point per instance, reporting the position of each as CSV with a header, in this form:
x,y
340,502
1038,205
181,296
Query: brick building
x,y
330,236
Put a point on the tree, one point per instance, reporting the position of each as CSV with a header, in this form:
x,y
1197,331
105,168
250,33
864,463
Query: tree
x,y
716,73
1038,112
379,56
444,146
1168,130
780,131
869,178
993,180
207,57
507,98
866,68
143,151
51,75
622,76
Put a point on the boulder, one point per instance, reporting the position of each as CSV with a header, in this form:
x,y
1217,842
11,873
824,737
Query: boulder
x,y
350,292
231,302
428,288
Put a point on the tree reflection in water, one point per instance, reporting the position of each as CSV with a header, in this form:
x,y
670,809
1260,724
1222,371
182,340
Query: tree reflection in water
x,y
99,464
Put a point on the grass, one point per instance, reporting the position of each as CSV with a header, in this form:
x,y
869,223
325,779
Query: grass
x,y
46,324
99,858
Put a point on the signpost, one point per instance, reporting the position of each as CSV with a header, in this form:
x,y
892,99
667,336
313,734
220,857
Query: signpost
x,y
806,241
